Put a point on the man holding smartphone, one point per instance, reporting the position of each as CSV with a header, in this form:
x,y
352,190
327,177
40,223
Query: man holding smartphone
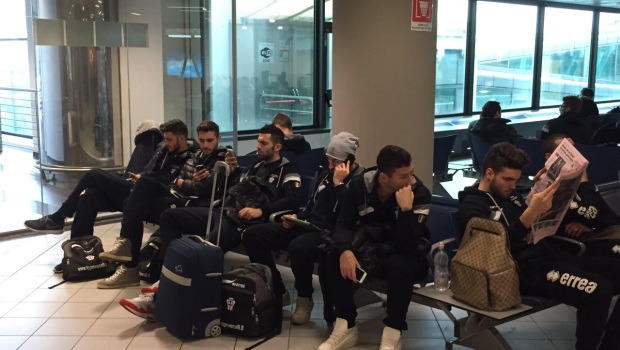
x,y
392,197
302,242
150,198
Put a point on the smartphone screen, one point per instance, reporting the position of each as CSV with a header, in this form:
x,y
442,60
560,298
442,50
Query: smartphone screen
x,y
360,275
199,167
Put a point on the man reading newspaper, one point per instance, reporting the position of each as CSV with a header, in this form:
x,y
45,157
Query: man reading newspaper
x,y
566,166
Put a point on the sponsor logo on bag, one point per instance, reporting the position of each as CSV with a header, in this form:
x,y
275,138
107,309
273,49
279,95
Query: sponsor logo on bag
x,y
616,249
238,327
572,281
103,265
238,285
230,304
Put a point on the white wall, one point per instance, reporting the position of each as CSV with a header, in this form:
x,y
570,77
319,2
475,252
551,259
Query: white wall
x,y
141,71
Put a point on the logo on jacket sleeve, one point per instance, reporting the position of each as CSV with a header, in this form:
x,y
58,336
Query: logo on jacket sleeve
x,y
178,269
616,249
553,275
230,304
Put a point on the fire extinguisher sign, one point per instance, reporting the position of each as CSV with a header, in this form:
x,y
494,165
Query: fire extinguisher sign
x,y
422,15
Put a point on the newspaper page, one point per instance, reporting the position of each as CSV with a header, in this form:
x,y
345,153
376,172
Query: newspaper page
x,y
566,165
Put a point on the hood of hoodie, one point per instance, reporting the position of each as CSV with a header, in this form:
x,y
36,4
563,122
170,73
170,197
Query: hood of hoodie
x,y
571,118
295,143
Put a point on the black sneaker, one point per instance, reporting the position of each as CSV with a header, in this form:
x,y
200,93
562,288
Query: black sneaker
x,y
58,268
45,225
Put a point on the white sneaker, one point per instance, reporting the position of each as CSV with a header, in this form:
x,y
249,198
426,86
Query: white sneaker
x,y
391,339
143,306
123,277
120,252
303,309
342,337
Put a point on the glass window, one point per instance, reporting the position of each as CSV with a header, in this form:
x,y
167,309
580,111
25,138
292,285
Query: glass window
x,y
504,55
450,61
275,61
566,54
607,84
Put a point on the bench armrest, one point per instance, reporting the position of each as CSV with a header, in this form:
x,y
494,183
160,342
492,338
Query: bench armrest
x,y
580,245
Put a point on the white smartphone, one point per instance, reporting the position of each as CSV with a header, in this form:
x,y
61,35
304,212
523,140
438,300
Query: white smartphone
x,y
360,275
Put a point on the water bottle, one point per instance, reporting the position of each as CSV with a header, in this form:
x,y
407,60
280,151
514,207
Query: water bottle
x,y
442,273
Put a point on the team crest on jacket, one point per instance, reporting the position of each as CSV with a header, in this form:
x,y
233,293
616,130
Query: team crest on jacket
x,y
516,201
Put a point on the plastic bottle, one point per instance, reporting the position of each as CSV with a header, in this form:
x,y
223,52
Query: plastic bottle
x,y
441,273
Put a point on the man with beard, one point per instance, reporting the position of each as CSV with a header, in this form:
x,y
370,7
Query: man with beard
x,y
587,283
321,211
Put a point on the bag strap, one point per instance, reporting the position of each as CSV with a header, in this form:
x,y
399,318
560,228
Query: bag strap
x,y
57,284
270,335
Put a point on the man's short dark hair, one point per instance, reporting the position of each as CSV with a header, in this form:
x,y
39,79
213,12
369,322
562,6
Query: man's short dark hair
x,y
572,102
283,120
587,92
277,136
207,126
490,109
391,158
549,145
505,155
175,126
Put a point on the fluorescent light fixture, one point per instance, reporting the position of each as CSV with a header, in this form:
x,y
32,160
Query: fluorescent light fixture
x,y
135,14
183,36
280,27
271,20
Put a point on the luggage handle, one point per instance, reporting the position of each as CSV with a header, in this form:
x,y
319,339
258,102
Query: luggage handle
x,y
199,239
219,165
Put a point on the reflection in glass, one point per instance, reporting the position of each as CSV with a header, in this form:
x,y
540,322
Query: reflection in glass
x,y
504,54
450,70
607,86
566,54
275,53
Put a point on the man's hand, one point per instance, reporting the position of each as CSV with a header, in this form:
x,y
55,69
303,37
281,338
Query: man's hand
x,y
200,175
288,223
341,172
404,198
348,264
231,160
250,213
134,177
540,203
576,229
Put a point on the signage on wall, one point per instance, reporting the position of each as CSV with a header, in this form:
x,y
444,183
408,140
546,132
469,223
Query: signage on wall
x,y
422,15
265,52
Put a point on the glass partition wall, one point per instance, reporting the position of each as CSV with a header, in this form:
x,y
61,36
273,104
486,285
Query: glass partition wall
x,y
91,70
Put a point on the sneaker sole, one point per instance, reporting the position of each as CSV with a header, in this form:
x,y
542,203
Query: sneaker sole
x,y
117,286
149,290
51,232
146,316
114,258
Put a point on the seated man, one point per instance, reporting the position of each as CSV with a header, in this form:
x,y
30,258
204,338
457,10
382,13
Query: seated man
x,y
99,191
589,218
284,180
295,143
491,127
588,106
150,198
390,197
587,283
569,123
321,211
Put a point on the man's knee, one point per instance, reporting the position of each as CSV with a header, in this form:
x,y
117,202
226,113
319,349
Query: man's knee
x,y
251,236
299,247
406,265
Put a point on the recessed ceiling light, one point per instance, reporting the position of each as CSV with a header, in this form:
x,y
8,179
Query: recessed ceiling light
x,y
271,20
280,27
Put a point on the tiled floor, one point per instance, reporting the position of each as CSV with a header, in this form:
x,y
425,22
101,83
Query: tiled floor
x,y
80,316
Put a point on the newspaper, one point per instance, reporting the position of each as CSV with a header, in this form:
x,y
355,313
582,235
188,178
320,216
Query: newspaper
x,y
565,165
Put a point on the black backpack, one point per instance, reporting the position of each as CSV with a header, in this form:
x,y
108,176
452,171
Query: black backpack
x,y
248,302
251,192
150,259
81,260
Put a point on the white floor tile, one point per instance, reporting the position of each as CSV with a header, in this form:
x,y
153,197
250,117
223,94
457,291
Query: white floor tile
x,y
154,343
20,326
274,343
103,342
80,310
12,342
33,310
521,330
94,295
50,295
5,307
222,342
51,342
124,327
65,326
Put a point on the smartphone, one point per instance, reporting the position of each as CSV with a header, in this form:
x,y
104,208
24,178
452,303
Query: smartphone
x,y
360,275
350,158
200,167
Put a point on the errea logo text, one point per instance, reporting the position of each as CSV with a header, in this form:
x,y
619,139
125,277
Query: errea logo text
x,y
572,281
